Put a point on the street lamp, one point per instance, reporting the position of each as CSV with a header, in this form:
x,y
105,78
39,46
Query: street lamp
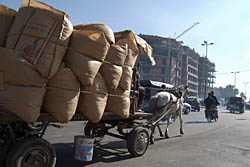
x,y
205,86
246,87
235,72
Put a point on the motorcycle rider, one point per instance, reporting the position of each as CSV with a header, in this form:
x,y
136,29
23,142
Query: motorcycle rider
x,y
209,104
215,105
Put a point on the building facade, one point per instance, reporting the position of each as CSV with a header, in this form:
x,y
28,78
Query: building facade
x,y
175,64
206,76
190,61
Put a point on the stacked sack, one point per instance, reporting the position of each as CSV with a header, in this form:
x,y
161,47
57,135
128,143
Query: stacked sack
x,y
49,64
62,95
42,33
7,17
22,87
119,98
36,44
88,49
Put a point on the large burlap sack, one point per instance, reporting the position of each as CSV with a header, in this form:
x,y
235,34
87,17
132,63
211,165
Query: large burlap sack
x,y
23,101
42,33
84,67
109,34
93,99
90,43
119,102
129,38
112,67
126,78
7,17
111,74
1,81
62,95
16,70
117,54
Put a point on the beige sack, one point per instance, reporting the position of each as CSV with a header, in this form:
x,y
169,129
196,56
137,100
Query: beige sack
x,y
119,102
117,54
62,95
16,70
129,38
23,101
84,67
109,34
90,43
42,34
7,17
93,100
1,81
126,78
112,67
111,74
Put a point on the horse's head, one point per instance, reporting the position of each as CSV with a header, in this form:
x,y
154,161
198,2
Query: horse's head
x,y
184,92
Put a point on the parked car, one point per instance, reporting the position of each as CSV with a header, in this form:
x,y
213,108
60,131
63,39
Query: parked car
x,y
186,108
236,104
194,102
247,105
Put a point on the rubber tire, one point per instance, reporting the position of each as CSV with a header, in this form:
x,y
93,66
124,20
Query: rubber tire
x,y
19,151
132,141
187,111
88,130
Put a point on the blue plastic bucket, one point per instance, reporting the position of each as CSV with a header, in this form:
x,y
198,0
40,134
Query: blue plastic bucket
x,y
83,148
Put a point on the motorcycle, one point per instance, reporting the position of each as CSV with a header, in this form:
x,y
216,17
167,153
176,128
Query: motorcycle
x,y
211,114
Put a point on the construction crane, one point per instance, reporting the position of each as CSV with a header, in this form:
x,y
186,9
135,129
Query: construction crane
x,y
187,30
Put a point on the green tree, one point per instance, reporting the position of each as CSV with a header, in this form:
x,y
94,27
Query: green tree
x,y
228,91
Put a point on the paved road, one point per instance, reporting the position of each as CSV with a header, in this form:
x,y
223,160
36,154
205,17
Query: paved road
x,y
225,143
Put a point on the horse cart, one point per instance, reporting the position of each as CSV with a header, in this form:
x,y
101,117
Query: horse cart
x,y
22,143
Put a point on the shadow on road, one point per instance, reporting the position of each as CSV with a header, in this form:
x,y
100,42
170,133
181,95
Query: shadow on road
x,y
241,119
228,112
197,122
105,152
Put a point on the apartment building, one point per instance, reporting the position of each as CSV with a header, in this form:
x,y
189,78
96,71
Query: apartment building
x,y
167,57
190,61
176,64
206,76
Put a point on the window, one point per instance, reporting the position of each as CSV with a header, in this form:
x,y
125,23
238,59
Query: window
x,y
163,70
164,61
146,70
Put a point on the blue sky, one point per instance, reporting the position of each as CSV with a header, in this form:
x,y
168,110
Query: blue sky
x,y
224,22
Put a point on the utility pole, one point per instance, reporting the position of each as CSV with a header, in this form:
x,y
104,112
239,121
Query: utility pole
x,y
245,83
235,72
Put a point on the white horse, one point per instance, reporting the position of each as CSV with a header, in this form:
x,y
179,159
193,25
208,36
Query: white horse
x,y
167,103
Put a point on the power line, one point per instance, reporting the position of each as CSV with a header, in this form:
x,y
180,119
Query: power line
x,y
232,72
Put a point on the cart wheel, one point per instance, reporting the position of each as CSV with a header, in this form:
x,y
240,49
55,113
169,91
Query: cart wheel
x,y
137,141
96,130
32,152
